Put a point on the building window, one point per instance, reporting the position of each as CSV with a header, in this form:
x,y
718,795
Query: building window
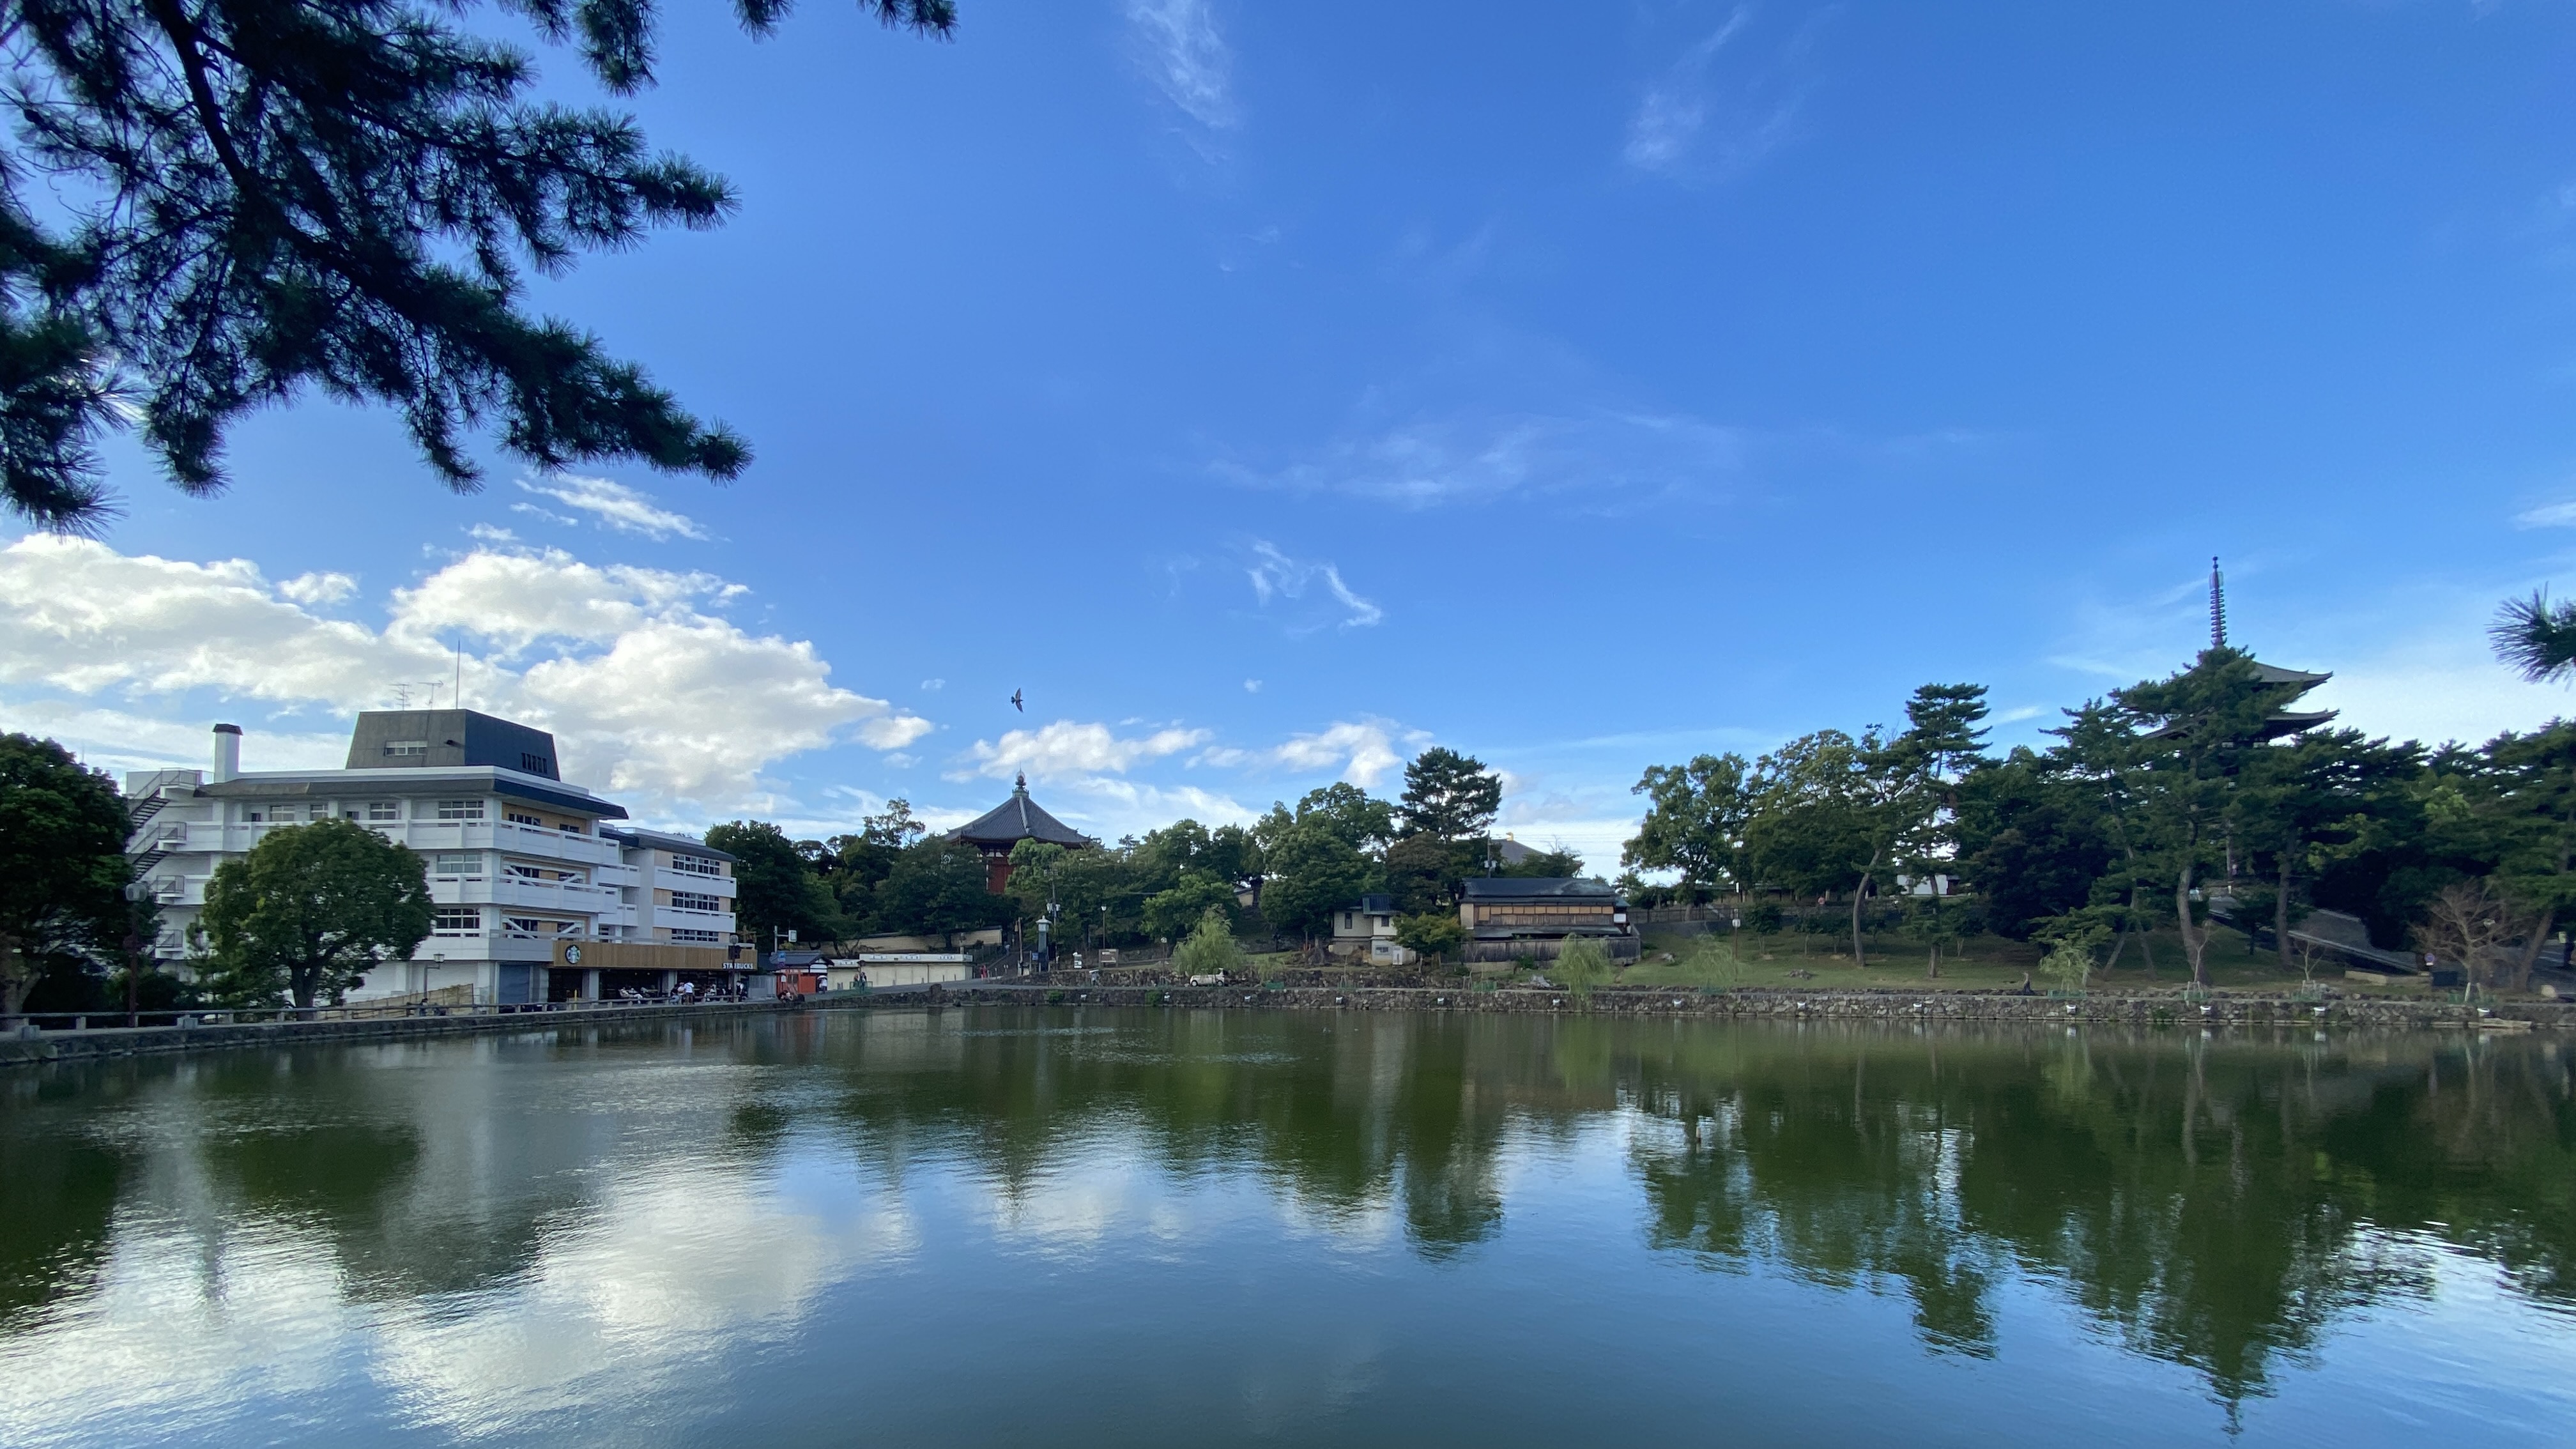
x,y
694,901
536,765
460,809
693,938
406,749
384,810
570,827
456,921
696,865
530,821
253,817
457,865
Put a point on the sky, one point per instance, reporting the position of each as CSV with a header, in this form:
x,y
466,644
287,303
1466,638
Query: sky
x,y
1268,392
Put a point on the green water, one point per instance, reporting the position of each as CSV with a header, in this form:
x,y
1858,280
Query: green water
x,y
1161,1227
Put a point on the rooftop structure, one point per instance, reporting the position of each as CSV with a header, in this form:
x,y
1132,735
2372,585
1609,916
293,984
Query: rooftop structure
x,y
1005,825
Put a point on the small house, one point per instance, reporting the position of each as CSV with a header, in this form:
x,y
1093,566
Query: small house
x,y
1509,918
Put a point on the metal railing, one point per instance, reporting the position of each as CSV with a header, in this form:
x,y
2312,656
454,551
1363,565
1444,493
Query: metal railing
x,y
381,1010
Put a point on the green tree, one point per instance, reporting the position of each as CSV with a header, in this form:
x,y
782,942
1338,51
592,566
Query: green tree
x,y
1360,819
1175,911
63,868
1209,950
853,866
1449,796
1581,966
2198,728
2531,798
260,199
776,889
310,911
938,888
1835,812
1695,820
1315,870
2536,637
1430,933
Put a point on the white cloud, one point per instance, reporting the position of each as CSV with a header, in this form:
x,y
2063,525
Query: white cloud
x,y
1252,686
318,588
1361,752
933,686
1275,574
648,692
491,533
1066,749
1186,58
2551,515
615,506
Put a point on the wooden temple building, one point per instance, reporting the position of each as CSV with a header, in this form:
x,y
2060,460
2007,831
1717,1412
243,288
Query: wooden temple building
x,y
1019,818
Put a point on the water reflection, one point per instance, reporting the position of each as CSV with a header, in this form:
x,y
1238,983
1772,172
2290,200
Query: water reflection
x,y
505,1235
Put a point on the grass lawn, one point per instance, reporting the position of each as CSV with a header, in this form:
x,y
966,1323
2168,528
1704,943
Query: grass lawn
x,y
1987,963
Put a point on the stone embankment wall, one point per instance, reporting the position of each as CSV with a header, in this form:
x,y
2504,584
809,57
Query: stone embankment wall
x,y
2143,1009
73,1046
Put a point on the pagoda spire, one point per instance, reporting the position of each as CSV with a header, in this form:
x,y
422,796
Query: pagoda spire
x,y
2217,606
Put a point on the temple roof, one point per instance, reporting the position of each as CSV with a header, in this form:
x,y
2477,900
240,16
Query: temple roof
x,y
1017,819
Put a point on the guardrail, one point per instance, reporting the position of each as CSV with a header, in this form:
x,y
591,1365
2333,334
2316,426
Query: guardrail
x,y
386,1010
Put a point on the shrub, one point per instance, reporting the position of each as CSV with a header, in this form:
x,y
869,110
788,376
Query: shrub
x,y
1580,967
1209,950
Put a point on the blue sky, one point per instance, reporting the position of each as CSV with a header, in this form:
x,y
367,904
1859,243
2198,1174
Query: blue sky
x,y
1268,391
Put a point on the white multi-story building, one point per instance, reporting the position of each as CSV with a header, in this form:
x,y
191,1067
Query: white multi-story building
x,y
537,896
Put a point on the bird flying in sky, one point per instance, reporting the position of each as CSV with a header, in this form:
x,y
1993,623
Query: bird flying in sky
x,y
1015,702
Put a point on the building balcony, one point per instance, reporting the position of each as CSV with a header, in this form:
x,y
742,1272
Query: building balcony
x,y
506,890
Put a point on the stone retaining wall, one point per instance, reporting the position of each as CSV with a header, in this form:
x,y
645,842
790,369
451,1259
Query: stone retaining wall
x,y
2158,1009
73,1046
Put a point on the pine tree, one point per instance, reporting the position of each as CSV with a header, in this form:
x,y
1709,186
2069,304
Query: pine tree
x,y
266,197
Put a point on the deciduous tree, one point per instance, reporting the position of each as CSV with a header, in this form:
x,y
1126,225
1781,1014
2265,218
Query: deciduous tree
x,y
310,910
63,868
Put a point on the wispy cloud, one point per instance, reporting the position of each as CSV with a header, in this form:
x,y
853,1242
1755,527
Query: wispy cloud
x,y
1725,102
1476,458
2548,515
614,506
1276,575
1181,52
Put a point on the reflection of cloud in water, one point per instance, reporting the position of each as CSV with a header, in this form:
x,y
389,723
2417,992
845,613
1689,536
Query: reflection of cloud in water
x,y
663,1273
171,1339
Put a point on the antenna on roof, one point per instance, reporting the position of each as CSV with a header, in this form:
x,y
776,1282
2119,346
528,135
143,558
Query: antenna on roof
x,y
2217,606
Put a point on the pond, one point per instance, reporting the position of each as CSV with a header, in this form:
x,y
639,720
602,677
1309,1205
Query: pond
x,y
998,1226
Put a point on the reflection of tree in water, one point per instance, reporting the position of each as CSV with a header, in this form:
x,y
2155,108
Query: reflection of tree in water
x,y
2215,1205
1342,1114
59,1186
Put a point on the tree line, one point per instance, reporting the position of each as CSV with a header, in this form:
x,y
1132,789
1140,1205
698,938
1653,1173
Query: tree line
x,y
2186,804
1283,875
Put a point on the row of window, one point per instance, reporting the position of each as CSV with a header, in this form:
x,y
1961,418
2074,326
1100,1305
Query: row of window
x,y
468,921
696,865
373,812
693,901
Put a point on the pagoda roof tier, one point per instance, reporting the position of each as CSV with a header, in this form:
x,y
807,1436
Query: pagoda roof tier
x,y
1016,819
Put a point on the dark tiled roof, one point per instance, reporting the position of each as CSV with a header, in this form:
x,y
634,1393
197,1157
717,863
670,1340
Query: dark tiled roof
x,y
1508,888
1017,819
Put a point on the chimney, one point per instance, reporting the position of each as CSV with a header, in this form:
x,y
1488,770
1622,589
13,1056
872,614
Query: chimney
x,y
227,753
